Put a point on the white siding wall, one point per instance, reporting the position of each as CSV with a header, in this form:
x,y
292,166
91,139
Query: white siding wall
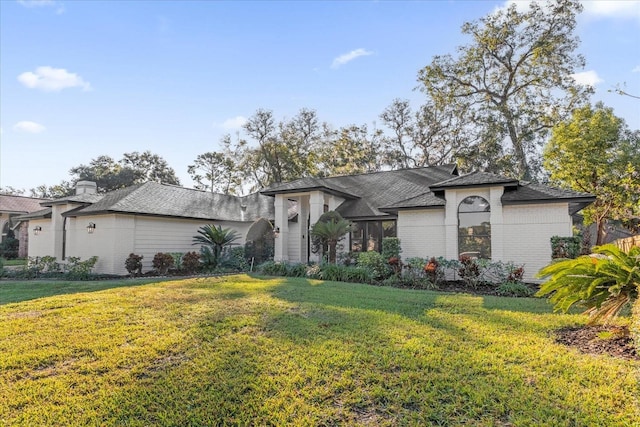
x,y
112,241
116,236
294,241
42,244
422,233
528,230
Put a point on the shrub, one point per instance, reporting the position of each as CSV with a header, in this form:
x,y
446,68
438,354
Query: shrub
x,y
469,271
604,282
433,271
190,262
162,262
80,270
133,264
391,248
375,263
273,268
514,289
177,259
234,259
9,247
565,247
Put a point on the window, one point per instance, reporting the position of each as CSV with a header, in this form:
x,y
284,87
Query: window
x,y
474,228
368,235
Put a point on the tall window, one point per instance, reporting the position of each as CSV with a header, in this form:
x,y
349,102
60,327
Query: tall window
x,y
368,235
474,228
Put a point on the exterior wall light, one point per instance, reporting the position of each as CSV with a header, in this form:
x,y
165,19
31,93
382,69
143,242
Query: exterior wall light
x,y
276,232
91,228
37,229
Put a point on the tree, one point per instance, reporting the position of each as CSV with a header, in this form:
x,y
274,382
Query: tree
x,y
11,191
133,168
147,167
64,189
350,150
434,135
283,151
215,172
329,230
594,152
214,239
513,81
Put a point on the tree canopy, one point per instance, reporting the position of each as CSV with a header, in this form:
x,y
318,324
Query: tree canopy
x,y
595,152
511,83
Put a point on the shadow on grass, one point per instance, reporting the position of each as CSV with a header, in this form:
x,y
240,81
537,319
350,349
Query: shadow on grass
x,y
18,291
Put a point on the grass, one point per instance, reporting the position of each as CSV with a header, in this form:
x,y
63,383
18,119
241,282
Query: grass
x,y
240,350
13,262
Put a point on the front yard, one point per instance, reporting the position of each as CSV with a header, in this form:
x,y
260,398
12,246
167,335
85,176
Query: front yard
x,y
242,350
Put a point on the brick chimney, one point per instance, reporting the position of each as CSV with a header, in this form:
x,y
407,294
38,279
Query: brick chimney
x,y
86,187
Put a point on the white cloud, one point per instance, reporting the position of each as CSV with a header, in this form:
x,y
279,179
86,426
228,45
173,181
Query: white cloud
x,y
234,123
612,8
636,69
587,78
29,127
43,3
52,79
347,57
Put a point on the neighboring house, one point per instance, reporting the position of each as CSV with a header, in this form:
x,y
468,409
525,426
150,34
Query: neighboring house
x,y
143,219
12,207
434,212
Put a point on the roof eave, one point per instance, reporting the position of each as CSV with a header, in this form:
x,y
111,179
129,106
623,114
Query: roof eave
x,y
322,188
434,188
410,208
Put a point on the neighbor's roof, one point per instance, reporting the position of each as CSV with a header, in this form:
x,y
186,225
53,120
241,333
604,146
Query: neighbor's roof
x,y
152,198
20,204
365,194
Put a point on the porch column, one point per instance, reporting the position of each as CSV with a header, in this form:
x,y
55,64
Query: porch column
x,y
497,224
303,215
451,224
281,242
316,209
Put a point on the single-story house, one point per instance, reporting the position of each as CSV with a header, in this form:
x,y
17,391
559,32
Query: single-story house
x,y
434,211
10,208
143,219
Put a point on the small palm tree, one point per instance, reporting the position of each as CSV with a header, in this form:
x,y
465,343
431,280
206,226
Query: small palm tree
x,y
603,282
330,232
214,239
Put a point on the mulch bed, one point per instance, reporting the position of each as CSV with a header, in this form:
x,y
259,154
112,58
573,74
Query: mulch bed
x,y
611,340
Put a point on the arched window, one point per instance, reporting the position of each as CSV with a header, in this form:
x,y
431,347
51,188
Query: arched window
x,y
474,228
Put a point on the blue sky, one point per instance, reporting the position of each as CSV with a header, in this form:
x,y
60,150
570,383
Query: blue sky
x,y
79,79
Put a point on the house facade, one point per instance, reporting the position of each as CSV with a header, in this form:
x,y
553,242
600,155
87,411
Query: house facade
x,y
433,211
143,219
12,207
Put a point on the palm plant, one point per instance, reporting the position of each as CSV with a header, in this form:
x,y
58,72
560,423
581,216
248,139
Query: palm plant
x,y
214,239
603,282
330,232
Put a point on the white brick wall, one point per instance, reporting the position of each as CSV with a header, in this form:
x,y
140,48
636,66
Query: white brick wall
x,y
421,233
527,233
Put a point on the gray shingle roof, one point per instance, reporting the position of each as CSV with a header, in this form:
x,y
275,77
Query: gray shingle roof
x,y
474,179
42,213
369,192
20,204
382,193
152,198
529,191
78,198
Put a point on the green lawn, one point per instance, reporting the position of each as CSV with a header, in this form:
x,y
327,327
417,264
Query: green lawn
x,y
13,262
239,350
